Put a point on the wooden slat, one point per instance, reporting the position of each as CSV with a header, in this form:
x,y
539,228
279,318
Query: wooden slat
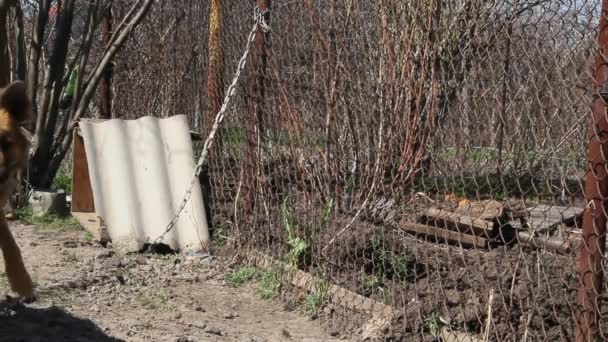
x,y
91,223
438,233
82,192
553,243
458,222
543,218
482,210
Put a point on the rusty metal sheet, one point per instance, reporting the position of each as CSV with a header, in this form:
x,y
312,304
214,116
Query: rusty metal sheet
x,y
139,171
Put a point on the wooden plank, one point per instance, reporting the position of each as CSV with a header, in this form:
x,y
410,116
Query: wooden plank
x,y
554,243
82,192
482,210
94,225
444,234
461,223
543,218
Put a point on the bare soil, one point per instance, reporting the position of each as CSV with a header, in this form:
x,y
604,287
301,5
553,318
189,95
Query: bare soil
x,y
87,293
534,291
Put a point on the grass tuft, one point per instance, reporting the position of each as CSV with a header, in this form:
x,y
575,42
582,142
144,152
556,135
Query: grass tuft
x,y
240,276
271,282
49,221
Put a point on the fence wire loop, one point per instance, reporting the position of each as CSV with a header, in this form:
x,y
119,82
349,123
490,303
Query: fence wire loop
x,y
259,17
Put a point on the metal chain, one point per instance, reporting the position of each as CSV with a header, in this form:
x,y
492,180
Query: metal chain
x,y
261,24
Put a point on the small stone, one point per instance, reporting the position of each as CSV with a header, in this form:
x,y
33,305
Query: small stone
x,y
115,261
199,308
33,244
141,260
105,254
214,331
452,297
70,244
229,316
178,315
210,261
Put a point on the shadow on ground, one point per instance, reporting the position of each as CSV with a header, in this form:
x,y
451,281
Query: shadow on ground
x,y
26,324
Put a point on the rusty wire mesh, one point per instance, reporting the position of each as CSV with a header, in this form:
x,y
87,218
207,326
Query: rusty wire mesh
x,y
369,117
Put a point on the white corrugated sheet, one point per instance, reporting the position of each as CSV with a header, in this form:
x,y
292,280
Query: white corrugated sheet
x,y
139,171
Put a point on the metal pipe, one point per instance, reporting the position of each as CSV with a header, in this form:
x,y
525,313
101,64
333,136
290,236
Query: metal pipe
x,y
596,192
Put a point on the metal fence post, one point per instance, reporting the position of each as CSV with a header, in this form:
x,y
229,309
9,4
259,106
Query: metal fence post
x,y
596,193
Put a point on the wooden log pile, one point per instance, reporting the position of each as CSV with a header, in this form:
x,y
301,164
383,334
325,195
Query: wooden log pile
x,y
489,223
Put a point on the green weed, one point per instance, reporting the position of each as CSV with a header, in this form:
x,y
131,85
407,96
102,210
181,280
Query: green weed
x,y
299,248
220,235
49,221
387,296
370,283
240,276
88,236
271,282
434,322
316,299
63,181
300,253
156,299
3,281
391,265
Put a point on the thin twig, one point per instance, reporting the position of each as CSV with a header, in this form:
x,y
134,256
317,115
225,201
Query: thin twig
x,y
486,337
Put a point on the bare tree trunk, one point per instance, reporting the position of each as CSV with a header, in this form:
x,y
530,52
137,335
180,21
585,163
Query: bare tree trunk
x,y
48,109
19,37
135,16
5,60
36,51
105,85
54,134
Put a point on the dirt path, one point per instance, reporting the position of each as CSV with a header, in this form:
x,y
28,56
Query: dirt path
x,y
89,294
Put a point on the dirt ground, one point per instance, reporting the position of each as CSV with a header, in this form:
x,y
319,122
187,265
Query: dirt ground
x,y
87,293
534,291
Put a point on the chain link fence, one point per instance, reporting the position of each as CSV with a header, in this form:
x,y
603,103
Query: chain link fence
x,y
427,155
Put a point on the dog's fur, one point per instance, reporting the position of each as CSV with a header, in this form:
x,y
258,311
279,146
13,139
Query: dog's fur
x,y
15,113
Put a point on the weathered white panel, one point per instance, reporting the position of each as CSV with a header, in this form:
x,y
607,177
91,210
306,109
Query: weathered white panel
x,y
140,170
